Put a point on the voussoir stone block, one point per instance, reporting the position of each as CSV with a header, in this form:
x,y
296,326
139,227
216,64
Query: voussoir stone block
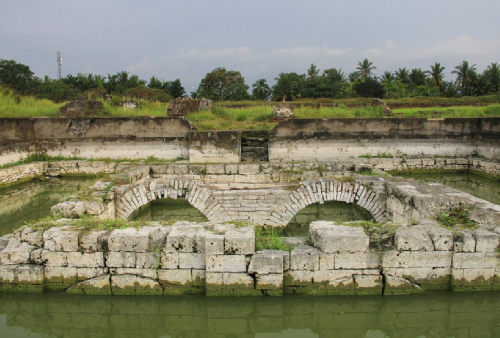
x,y
332,238
267,262
129,240
60,239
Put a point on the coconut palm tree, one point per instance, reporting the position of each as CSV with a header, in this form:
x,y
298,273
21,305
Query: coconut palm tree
x,y
261,90
492,74
418,77
402,75
313,71
436,74
388,76
365,68
464,76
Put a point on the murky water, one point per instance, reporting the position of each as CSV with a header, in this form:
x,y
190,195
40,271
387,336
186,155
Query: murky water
x,y
33,200
479,186
423,316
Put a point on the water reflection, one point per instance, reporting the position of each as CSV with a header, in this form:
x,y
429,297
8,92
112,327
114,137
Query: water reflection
x,y
33,200
329,211
171,210
430,315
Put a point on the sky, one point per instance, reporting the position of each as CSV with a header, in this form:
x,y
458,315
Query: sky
x,y
187,39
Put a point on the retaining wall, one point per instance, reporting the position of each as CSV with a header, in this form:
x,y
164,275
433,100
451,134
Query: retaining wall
x,y
220,260
330,139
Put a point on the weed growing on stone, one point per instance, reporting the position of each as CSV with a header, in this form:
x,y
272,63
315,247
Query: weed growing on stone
x,y
271,239
379,155
378,233
85,224
456,218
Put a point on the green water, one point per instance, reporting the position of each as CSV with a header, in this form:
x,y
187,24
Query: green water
x,y
479,186
33,200
423,316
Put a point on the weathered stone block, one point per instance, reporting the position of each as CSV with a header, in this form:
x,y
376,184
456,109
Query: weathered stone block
x,y
464,242
120,259
269,281
214,244
31,236
130,284
52,258
55,274
368,284
129,240
98,285
486,241
267,262
475,260
226,263
357,260
396,285
94,241
413,239
331,238
60,239
192,261
21,274
175,277
183,238
147,273
340,286
298,278
442,238
169,260
240,241
416,259
249,169
85,260
147,260
230,284
89,273
304,258
158,236
427,278
16,252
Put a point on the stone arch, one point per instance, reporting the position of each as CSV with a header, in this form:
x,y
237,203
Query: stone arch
x,y
324,190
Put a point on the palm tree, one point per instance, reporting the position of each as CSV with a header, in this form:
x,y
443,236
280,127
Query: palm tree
x,y
261,90
492,74
388,76
286,84
402,75
365,69
333,75
464,75
417,77
313,71
436,74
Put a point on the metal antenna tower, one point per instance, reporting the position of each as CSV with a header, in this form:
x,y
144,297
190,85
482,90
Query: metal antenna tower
x,y
59,64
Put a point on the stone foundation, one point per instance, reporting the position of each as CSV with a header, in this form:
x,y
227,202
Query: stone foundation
x,y
221,260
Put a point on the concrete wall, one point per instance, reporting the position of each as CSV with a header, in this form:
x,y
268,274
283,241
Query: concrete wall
x,y
329,140
165,138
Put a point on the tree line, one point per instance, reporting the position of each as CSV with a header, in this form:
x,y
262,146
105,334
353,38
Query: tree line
x,y
229,85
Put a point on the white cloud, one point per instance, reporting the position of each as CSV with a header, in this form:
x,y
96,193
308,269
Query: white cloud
x,y
463,46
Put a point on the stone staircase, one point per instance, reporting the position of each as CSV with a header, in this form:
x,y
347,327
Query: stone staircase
x,y
254,146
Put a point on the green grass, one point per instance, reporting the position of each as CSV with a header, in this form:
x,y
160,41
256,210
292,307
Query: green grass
x,y
271,239
448,112
456,218
25,106
86,224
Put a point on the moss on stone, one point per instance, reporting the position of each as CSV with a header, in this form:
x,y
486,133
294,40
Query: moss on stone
x,y
478,284
26,288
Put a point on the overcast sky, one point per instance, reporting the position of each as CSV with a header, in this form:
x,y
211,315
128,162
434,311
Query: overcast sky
x,y
260,38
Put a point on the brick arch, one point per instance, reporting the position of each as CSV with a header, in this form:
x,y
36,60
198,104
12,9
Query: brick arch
x,y
326,190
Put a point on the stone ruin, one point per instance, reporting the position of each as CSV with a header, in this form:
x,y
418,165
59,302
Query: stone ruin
x,y
81,108
283,112
182,106
385,106
129,104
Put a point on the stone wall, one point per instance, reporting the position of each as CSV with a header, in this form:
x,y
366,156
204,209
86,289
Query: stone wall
x,y
330,140
220,260
215,146
135,138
